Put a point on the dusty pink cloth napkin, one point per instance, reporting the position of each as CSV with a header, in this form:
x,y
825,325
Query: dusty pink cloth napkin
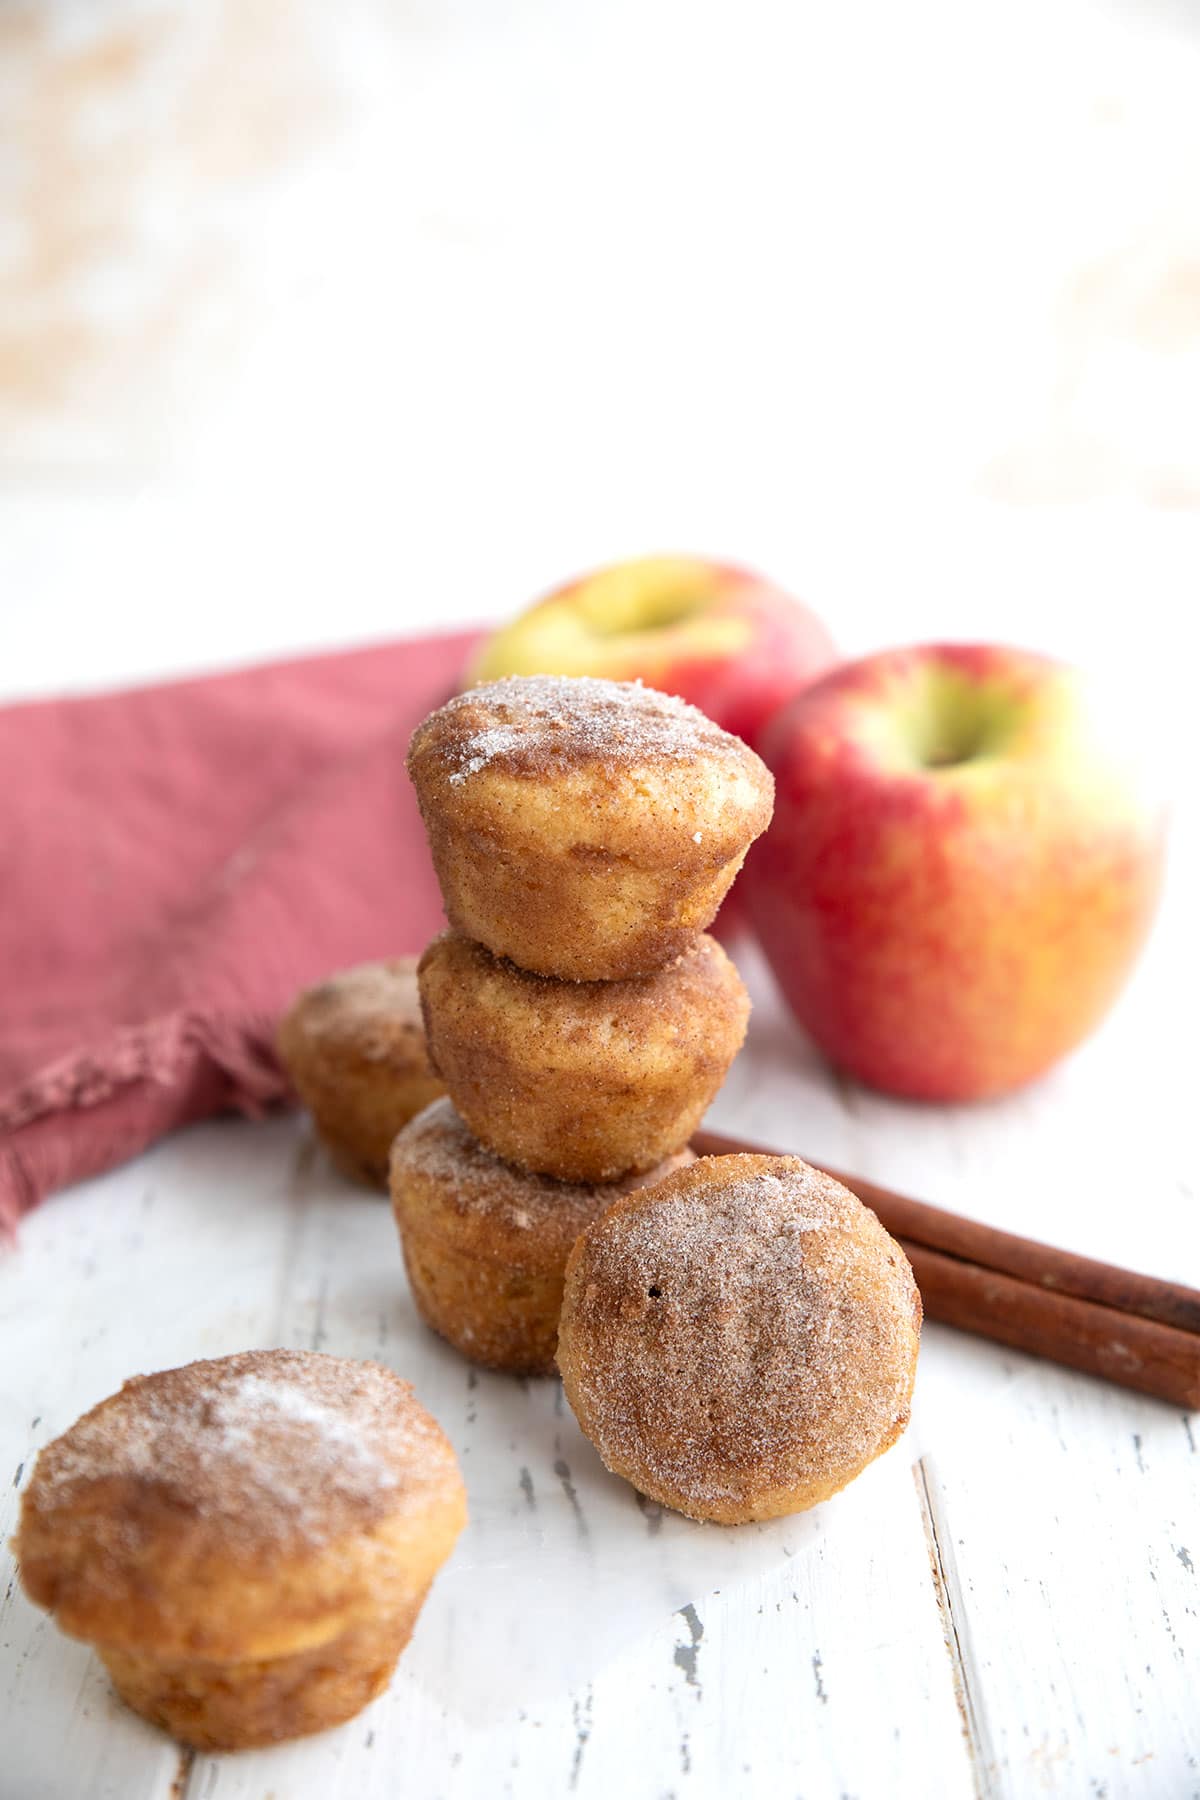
x,y
174,863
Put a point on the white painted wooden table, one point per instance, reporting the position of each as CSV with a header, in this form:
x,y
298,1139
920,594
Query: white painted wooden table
x,y
593,281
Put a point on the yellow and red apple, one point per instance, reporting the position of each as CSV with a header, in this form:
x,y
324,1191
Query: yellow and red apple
x,y
964,861
725,639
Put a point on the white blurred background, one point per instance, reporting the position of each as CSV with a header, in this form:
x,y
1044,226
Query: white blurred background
x,y
327,322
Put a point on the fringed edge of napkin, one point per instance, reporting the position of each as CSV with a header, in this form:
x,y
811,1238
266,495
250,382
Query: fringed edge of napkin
x,y
125,1092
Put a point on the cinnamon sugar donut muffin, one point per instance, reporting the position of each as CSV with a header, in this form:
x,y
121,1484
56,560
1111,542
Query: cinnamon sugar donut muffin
x,y
485,1245
354,1050
741,1342
582,1080
584,829
246,1542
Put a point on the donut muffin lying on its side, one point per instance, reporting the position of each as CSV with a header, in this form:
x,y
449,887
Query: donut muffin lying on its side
x,y
246,1542
584,829
584,1081
354,1050
741,1342
485,1245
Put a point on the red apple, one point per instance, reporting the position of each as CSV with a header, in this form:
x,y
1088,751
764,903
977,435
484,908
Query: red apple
x,y
964,861
726,640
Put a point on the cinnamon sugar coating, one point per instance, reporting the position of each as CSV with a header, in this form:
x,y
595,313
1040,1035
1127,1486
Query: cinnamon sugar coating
x,y
584,1081
241,1705
246,1541
354,1050
741,1342
584,829
485,1244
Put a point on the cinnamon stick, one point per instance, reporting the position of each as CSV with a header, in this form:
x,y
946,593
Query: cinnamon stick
x,y
1135,1330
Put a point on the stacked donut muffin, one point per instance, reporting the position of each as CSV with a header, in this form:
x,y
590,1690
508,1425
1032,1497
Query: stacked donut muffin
x,y
584,833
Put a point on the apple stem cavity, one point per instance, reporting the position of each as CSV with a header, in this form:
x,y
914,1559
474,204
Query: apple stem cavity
x,y
644,613
953,720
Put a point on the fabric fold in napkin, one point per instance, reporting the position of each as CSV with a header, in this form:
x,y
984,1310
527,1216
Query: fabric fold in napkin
x,y
175,863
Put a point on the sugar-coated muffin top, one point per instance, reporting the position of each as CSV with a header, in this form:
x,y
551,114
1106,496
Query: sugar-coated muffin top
x,y
537,725
436,1148
371,1009
255,1454
584,829
747,1328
